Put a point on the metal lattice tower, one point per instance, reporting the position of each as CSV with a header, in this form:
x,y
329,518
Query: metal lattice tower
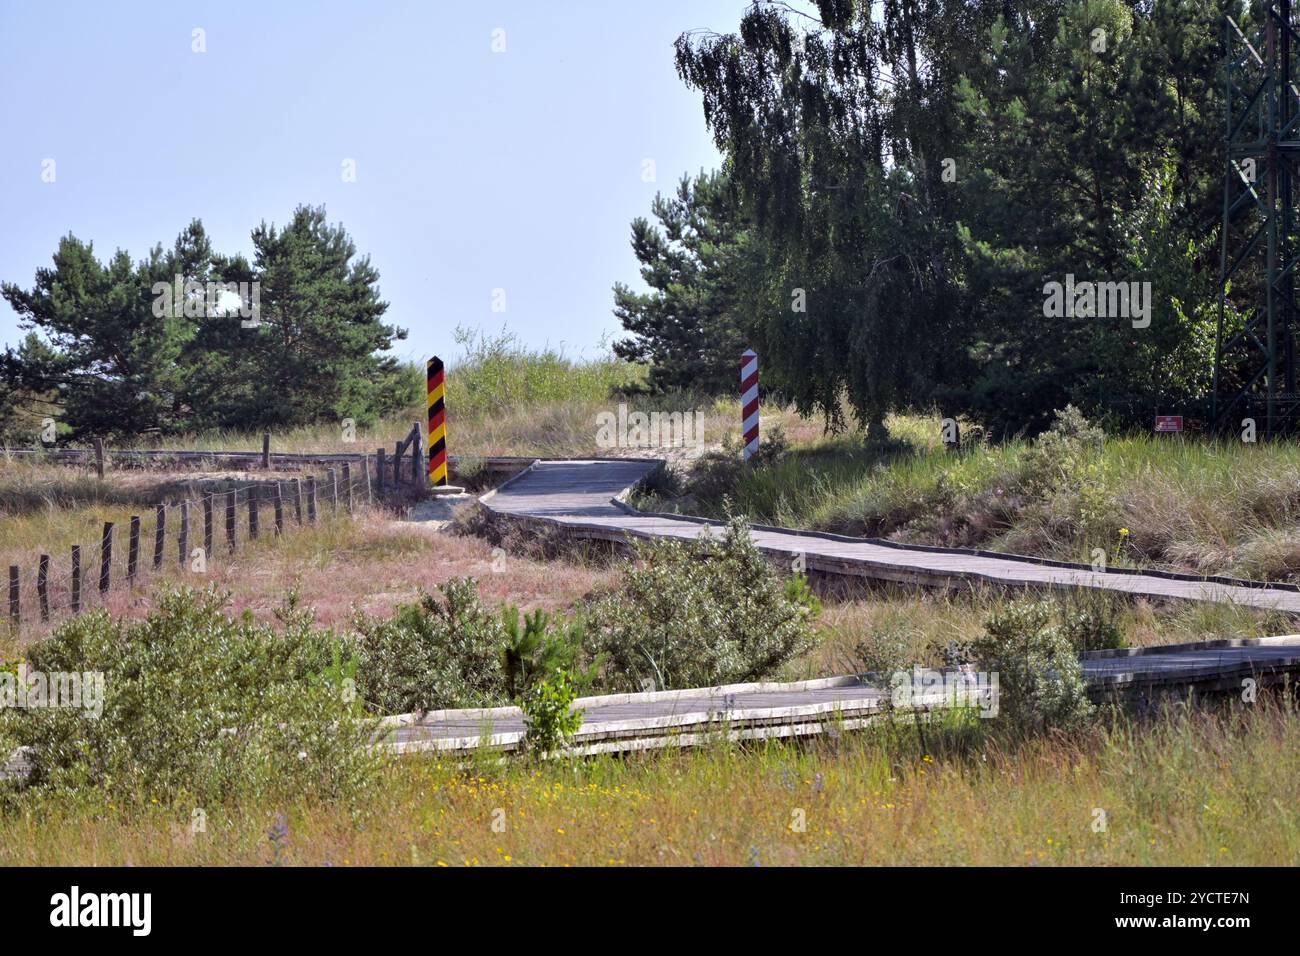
x,y
1254,367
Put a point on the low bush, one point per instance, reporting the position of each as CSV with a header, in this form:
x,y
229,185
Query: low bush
x,y
198,708
693,614
442,651
1090,621
548,713
1040,682
449,650
1059,456
544,645
883,651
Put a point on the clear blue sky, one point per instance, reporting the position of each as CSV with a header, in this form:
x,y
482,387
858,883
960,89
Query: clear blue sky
x,y
475,170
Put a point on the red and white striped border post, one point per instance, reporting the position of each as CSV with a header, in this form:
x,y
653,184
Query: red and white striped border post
x,y
749,401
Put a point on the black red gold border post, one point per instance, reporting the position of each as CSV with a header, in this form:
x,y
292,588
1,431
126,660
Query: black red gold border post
x,y
435,377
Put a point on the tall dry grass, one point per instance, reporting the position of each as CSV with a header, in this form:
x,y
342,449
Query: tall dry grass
x,y
1208,789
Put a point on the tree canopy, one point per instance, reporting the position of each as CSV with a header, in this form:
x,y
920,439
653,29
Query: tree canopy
x,y
188,338
913,176
691,326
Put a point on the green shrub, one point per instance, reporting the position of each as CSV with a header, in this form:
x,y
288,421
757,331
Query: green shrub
x,y
884,651
1088,621
198,708
659,484
432,654
1040,682
544,645
548,713
773,446
454,652
692,614
1059,455
715,475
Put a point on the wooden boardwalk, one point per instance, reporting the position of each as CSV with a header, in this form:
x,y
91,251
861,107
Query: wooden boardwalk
x,y
628,722
587,499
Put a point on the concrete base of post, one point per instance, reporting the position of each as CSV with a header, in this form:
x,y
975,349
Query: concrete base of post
x,y
440,490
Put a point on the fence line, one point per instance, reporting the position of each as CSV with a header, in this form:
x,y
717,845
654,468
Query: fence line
x,y
93,574
388,467
43,595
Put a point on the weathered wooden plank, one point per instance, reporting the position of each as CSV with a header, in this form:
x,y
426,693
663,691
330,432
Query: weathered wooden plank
x,y
76,579
183,540
207,527
133,550
15,612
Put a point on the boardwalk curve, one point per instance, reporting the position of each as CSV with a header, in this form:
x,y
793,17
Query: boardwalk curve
x,y
587,498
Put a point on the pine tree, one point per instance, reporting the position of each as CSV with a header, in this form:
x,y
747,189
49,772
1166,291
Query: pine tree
x,y
110,359
314,355
134,350
690,326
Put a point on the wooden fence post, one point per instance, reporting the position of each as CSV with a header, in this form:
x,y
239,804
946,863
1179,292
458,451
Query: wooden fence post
x,y
347,485
99,456
207,527
334,492
106,557
183,542
76,579
397,464
252,512
418,475
159,535
370,492
266,451
230,519
311,499
13,596
379,470
297,500
43,586
133,550
279,510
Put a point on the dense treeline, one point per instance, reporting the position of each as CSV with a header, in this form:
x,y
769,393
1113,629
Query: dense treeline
x,y
189,338
904,179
